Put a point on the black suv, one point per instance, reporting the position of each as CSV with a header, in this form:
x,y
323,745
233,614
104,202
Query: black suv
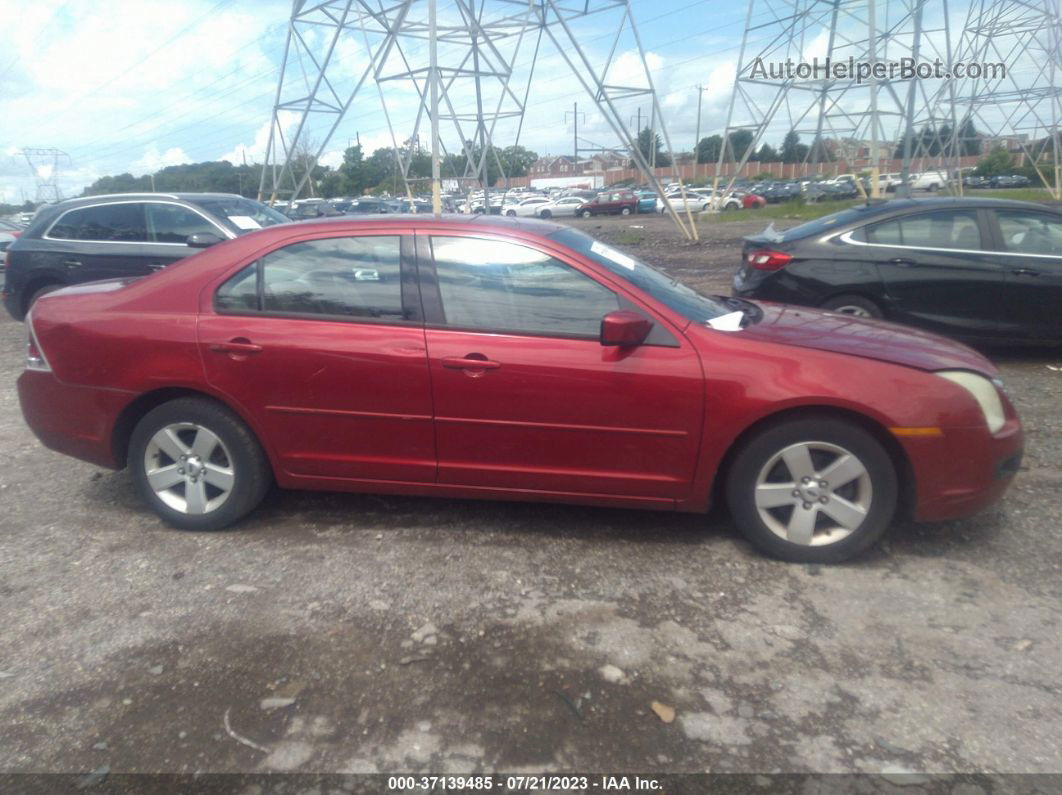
x,y
119,236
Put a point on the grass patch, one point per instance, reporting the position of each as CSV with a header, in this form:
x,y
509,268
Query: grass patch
x,y
1018,194
796,210
628,237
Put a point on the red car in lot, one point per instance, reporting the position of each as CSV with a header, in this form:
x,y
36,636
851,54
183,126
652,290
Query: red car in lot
x,y
508,359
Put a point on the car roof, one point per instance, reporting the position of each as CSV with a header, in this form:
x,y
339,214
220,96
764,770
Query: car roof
x,y
106,197
500,222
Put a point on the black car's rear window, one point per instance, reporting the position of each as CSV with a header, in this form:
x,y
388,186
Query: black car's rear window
x,y
827,223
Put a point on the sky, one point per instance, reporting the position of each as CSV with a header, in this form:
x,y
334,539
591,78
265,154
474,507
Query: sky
x,y
136,85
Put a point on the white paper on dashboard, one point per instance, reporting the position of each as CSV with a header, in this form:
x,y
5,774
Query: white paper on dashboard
x,y
610,253
731,321
245,222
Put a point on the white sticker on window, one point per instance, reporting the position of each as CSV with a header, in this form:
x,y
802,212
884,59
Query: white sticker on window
x,y
245,222
611,254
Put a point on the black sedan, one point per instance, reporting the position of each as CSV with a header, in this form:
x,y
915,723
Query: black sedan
x,y
980,269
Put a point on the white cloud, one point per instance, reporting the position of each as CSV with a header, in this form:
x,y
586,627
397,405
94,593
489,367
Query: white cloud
x,y
152,160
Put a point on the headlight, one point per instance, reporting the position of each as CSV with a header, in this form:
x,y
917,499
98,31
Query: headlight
x,y
983,391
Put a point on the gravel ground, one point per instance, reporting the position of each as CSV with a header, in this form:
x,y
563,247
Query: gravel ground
x,y
357,633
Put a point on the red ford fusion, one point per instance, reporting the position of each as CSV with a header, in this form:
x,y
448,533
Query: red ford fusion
x,y
499,358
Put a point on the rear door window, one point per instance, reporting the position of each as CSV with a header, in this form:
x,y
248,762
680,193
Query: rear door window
x,y
104,223
946,229
1027,232
171,223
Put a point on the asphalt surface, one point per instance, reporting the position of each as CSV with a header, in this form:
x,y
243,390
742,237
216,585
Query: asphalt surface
x,y
337,633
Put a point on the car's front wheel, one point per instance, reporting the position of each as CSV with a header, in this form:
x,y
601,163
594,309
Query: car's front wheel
x,y
813,490
511,213
625,211
545,214
197,464
855,305
585,213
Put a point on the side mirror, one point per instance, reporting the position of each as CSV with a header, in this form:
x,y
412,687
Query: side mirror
x,y
625,328
202,240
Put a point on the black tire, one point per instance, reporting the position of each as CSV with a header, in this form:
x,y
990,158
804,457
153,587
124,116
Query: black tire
x,y
586,213
758,452
934,188
729,206
251,473
625,211
855,305
511,213
545,214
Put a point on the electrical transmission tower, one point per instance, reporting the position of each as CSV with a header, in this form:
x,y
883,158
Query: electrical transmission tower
x,y
468,68
822,95
1022,102
45,163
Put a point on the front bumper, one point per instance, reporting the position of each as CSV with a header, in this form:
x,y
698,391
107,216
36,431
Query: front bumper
x,y
965,471
74,420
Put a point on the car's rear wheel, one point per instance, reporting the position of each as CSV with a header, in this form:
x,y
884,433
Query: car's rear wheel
x,y
625,211
816,490
197,464
545,214
39,291
585,213
511,213
855,305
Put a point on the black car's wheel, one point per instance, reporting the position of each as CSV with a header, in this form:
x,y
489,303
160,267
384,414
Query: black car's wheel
x,y
814,490
855,305
545,214
625,211
585,213
197,464
39,291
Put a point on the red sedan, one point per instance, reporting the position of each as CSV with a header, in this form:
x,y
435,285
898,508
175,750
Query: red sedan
x,y
508,359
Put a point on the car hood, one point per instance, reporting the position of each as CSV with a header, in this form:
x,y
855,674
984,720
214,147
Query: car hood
x,y
865,337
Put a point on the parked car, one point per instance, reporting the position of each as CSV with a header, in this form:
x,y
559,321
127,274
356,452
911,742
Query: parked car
x,y
528,361
982,269
120,236
751,201
694,202
976,182
310,208
928,180
562,207
622,202
524,207
646,201
368,205
1009,181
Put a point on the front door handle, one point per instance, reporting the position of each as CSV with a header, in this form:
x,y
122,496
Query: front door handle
x,y
238,346
157,266
1025,272
901,262
71,264
470,362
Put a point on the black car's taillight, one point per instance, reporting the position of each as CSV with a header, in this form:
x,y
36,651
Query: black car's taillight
x,y
767,260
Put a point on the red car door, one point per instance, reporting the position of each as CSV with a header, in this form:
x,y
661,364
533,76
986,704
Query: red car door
x,y
527,398
322,343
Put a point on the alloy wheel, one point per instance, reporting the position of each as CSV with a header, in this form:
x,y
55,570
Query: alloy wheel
x,y
813,493
189,468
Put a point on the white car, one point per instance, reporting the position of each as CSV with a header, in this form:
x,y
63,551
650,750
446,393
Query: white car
x,y
928,180
696,202
567,205
525,207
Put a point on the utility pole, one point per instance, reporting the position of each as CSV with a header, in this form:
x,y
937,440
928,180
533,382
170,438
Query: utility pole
x,y
433,57
575,137
697,135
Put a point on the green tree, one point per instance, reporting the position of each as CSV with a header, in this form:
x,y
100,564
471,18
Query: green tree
x,y
708,149
647,143
996,162
738,143
768,154
792,150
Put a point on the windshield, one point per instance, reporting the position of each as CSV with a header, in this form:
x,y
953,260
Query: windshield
x,y
675,296
242,215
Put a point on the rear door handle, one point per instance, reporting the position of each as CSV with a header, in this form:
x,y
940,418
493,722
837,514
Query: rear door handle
x,y
901,262
466,363
238,346
71,264
157,266
1025,272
